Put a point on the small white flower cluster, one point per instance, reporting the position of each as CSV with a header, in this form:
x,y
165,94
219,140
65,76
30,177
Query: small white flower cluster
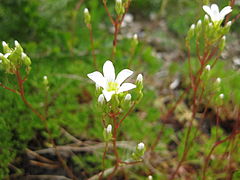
x,y
214,13
109,84
214,23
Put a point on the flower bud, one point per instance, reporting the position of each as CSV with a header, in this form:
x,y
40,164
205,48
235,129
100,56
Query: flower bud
x,y
101,99
222,43
218,80
227,27
221,96
26,59
107,133
45,80
140,78
128,97
109,129
206,20
140,150
150,177
119,8
191,32
199,25
135,40
208,67
6,48
140,146
87,16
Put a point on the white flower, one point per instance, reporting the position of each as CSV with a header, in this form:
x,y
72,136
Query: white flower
x,y
214,13
109,129
101,98
140,146
128,97
140,78
109,83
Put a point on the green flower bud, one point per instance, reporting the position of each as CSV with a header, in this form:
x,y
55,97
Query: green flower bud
x,y
206,20
191,32
199,25
135,40
26,59
45,80
87,17
119,7
140,150
6,48
222,43
226,29
107,133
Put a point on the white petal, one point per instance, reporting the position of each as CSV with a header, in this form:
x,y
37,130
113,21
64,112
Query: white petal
x,y
225,11
109,71
207,10
123,75
108,94
215,8
126,87
98,78
215,13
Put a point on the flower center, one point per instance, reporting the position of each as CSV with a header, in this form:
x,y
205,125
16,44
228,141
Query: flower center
x,y
112,86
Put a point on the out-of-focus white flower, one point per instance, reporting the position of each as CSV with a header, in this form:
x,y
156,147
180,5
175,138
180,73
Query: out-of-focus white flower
x,y
213,12
128,97
109,129
208,67
45,77
109,83
140,146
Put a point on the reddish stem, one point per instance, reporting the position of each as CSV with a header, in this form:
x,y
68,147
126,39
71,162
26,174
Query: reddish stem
x,y
22,94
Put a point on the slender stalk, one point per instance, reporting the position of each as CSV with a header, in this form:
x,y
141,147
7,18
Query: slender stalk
x,y
89,26
22,94
103,160
115,147
213,148
9,89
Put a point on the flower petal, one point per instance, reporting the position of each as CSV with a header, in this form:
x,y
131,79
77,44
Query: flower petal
x,y
126,87
98,78
215,13
225,11
215,8
123,75
207,10
109,71
108,94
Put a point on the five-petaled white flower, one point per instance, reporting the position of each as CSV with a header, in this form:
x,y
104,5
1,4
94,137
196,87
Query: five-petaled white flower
x,y
213,12
109,83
